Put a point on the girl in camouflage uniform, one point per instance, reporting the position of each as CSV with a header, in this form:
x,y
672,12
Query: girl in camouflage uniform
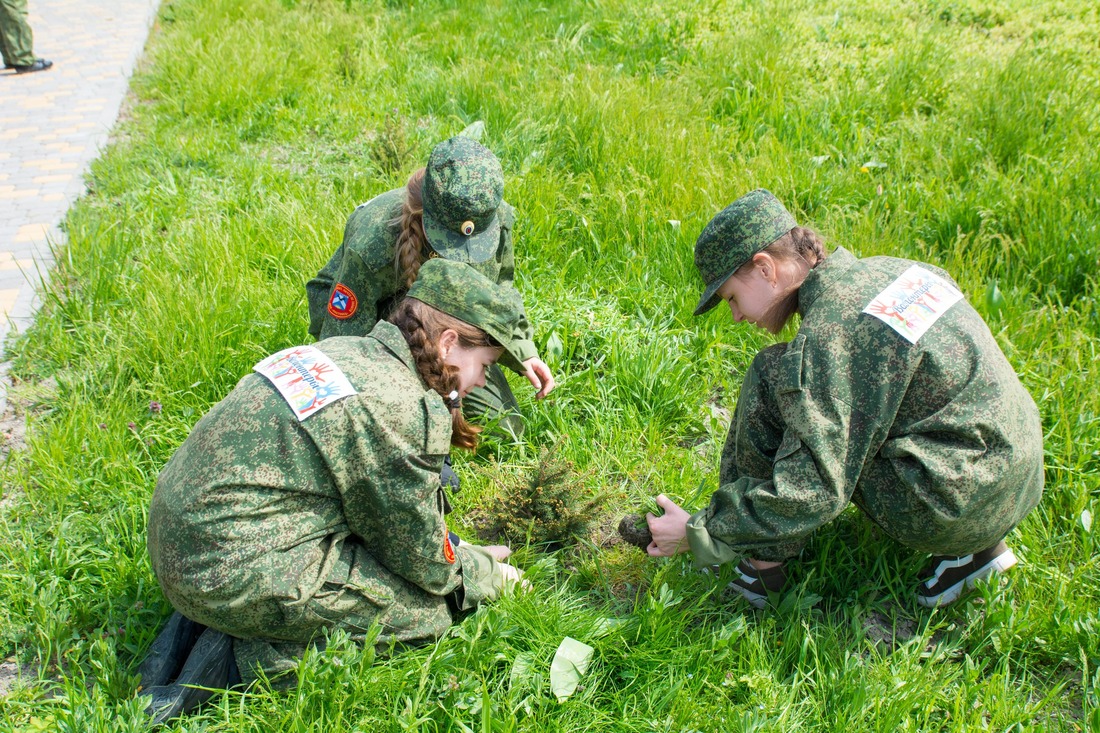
x,y
452,208
893,395
309,498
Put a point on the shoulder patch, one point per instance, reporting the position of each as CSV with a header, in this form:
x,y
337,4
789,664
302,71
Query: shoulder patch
x,y
306,378
913,302
342,304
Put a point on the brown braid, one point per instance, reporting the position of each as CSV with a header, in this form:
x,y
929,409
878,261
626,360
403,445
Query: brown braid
x,y
805,250
422,325
411,248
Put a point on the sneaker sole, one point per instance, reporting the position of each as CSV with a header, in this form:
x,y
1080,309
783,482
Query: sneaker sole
x,y
757,601
999,564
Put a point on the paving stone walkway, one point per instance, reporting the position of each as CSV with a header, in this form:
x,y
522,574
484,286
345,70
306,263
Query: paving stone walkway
x,y
52,125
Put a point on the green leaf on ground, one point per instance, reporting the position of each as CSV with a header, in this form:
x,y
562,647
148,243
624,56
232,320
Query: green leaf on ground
x,y
569,665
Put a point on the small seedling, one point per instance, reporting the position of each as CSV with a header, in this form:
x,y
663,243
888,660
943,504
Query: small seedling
x,y
549,506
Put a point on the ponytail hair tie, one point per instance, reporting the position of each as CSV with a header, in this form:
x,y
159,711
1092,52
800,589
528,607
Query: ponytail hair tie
x,y
452,399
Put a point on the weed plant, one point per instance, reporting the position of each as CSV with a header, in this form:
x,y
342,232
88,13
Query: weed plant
x,y
959,132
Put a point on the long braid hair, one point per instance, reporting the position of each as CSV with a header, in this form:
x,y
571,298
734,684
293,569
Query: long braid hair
x,y
422,325
411,249
806,250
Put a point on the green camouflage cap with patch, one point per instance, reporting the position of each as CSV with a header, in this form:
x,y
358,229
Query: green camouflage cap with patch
x,y
733,236
463,187
461,291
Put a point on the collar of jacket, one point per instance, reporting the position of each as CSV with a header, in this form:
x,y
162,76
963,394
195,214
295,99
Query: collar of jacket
x,y
390,336
825,276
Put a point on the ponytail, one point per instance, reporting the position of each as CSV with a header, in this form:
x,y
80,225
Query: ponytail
x,y
410,251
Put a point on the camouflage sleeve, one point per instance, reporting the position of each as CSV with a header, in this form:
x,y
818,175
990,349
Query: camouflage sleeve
x,y
826,441
749,513
523,344
394,500
318,291
353,310
482,579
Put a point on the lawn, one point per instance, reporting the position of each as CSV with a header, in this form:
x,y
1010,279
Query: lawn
x,y
957,132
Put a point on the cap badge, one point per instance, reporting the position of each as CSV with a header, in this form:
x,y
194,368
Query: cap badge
x,y
467,228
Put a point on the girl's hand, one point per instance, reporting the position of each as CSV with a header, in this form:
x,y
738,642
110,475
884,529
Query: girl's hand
x,y
538,374
669,530
500,553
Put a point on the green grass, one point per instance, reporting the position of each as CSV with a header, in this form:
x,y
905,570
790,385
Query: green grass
x,y
958,132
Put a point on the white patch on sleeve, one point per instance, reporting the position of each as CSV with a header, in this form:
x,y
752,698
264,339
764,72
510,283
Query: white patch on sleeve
x,y
306,378
913,302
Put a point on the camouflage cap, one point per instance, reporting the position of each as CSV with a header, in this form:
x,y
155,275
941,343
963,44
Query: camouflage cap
x,y
463,186
461,291
733,236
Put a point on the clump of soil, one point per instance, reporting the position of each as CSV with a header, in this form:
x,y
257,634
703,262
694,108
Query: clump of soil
x,y
634,530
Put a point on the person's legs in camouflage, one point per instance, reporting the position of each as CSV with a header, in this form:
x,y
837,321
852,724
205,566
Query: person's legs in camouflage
x,y
755,436
16,40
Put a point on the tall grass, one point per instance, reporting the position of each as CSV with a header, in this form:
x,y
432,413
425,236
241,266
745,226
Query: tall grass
x,y
959,132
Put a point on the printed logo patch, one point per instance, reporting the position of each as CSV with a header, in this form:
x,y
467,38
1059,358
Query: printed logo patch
x,y
306,378
913,302
343,302
448,551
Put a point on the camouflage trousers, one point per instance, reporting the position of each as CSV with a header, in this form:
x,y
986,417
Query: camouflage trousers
x,y
899,509
16,40
273,625
495,402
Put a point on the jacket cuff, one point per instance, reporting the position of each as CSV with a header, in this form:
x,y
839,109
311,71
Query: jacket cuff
x,y
481,576
707,549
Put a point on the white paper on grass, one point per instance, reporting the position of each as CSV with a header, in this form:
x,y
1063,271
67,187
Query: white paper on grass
x,y
570,663
1086,520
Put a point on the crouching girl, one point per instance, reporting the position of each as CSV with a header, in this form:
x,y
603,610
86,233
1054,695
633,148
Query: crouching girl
x,y
893,395
310,498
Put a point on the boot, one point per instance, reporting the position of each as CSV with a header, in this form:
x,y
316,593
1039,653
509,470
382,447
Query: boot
x,y
210,667
169,651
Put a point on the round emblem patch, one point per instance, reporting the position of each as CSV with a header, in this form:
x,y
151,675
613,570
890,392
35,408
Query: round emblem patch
x,y
343,302
467,228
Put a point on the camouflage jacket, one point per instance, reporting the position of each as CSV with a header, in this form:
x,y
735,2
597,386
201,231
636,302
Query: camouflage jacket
x,y
364,264
947,412
255,510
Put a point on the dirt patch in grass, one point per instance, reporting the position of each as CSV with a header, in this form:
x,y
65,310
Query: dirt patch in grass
x,y
888,633
13,420
18,398
11,672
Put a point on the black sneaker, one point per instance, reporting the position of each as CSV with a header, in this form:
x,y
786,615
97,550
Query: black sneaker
x,y
755,585
36,65
946,577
